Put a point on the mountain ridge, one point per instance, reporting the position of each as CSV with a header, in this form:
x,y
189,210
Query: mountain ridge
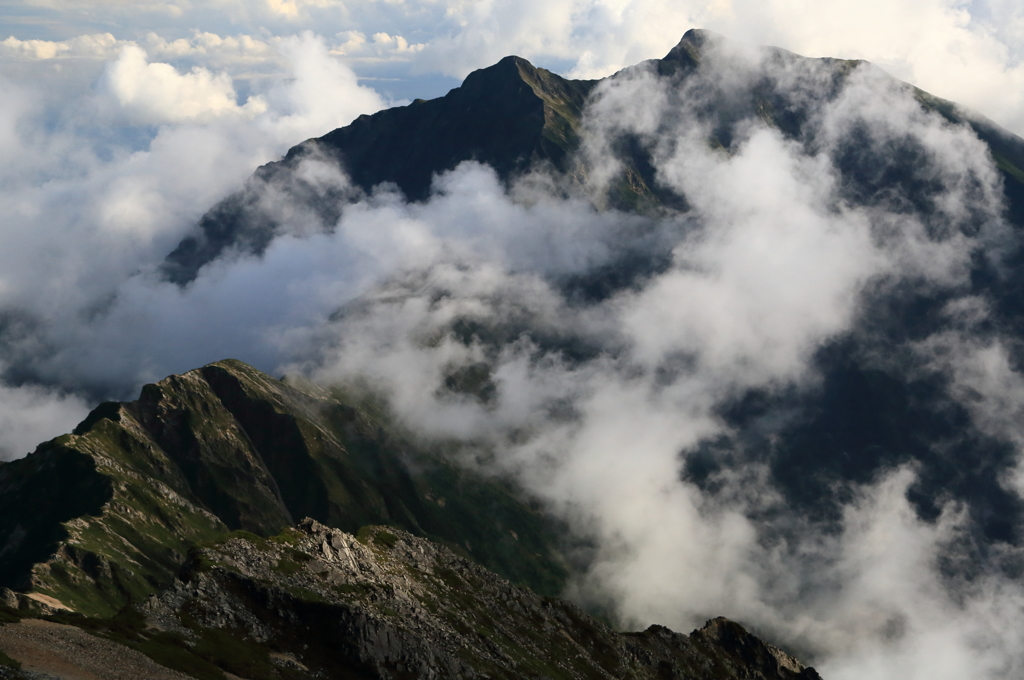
x,y
105,515
220,460
514,117
315,602
509,115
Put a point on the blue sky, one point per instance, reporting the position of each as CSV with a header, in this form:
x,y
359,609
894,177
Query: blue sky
x,y
969,52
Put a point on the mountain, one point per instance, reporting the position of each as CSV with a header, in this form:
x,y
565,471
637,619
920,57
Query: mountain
x,y
229,522
514,117
511,115
387,604
165,526
867,414
315,602
105,515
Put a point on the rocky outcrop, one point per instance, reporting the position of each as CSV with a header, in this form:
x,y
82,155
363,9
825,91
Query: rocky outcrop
x,y
387,604
105,515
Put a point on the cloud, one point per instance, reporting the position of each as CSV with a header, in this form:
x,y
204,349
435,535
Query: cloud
x,y
961,52
31,414
971,53
596,407
95,46
232,53
156,93
97,195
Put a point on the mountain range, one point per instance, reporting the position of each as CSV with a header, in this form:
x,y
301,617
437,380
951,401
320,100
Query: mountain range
x,y
865,417
230,524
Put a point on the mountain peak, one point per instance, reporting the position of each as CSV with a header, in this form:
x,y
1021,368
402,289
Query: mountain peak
x,y
698,37
227,447
691,46
509,68
509,116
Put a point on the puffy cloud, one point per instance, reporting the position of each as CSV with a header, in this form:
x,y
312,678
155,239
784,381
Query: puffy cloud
x,y
327,94
963,52
157,93
292,9
97,46
91,208
596,407
227,52
970,53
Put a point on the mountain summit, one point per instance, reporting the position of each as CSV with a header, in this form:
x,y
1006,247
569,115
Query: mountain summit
x,y
511,116
105,515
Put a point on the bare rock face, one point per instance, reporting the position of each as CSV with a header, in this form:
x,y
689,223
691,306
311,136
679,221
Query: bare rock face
x,y
386,604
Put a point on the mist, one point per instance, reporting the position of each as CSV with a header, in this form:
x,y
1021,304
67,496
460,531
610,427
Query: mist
x,y
600,407
652,415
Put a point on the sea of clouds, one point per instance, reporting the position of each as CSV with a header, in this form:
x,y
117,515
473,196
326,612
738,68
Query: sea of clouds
x,y
115,145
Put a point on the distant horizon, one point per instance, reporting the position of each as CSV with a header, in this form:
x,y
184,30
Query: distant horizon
x,y
972,54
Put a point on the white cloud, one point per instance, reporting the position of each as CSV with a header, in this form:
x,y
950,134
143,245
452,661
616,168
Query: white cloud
x,y
768,267
230,52
153,93
92,208
30,415
971,53
96,46
325,95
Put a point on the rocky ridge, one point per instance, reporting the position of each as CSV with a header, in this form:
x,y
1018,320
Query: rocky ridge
x,y
386,604
511,116
95,519
164,526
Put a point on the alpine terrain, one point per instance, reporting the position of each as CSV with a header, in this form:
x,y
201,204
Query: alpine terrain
x,y
450,481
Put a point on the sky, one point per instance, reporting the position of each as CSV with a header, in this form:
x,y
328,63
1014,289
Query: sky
x,y
122,123
970,52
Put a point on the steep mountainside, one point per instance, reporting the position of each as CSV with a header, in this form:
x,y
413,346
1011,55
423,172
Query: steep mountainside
x,y
106,514
865,415
157,525
389,605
